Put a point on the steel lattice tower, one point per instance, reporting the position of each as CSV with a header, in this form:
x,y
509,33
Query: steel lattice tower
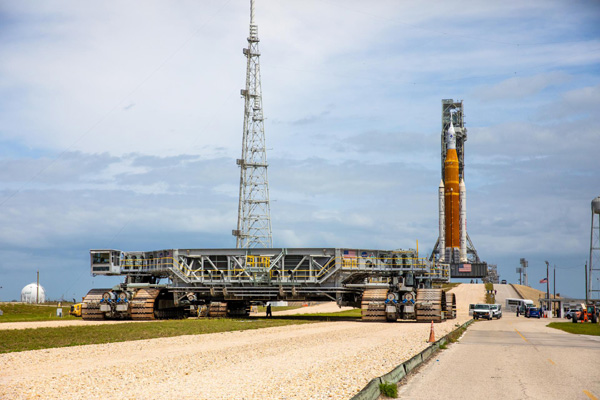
x,y
254,214
593,272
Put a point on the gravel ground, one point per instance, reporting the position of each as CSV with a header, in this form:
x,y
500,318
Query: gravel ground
x,y
331,360
331,307
58,323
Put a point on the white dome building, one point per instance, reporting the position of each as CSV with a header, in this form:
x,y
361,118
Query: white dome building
x,y
30,292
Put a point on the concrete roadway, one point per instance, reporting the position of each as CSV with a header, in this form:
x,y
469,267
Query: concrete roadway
x,y
505,292
511,358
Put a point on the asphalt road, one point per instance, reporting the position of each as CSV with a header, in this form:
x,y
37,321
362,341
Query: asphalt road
x,y
511,358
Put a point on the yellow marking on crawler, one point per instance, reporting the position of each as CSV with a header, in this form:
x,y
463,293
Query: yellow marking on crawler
x,y
521,335
591,396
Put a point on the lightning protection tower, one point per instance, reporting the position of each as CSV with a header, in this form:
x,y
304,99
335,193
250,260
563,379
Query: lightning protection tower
x,y
254,213
593,274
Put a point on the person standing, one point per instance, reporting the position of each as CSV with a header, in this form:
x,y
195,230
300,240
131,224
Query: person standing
x,y
269,313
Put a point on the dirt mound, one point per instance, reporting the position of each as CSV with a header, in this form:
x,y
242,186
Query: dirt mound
x,y
468,293
530,293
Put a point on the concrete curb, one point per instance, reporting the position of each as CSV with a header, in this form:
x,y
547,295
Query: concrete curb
x,y
371,391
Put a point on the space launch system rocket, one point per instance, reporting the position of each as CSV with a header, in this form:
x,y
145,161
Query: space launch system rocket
x,y
453,207
454,248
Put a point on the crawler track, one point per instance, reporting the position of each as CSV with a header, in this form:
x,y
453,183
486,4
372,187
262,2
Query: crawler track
x,y
217,310
373,305
450,305
90,309
142,304
431,305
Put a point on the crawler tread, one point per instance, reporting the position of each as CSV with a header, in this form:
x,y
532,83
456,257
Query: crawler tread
x,y
430,305
373,305
142,304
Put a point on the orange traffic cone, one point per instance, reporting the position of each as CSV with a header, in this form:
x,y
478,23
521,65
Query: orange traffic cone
x,y
431,334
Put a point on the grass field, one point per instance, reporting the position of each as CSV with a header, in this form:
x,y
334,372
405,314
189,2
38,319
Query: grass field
x,y
44,338
579,328
18,312
449,285
489,298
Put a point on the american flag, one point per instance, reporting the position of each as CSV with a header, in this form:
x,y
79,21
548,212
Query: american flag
x,y
545,280
349,254
464,268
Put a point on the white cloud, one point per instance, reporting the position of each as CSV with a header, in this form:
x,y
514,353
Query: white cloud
x,y
120,124
520,87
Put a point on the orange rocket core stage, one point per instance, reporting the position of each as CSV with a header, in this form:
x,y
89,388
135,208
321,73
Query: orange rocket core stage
x,y
452,199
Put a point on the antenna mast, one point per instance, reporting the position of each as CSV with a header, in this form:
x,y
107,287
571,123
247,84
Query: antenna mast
x,y
254,213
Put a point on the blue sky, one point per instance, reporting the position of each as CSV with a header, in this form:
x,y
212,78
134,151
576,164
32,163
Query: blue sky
x,y
120,123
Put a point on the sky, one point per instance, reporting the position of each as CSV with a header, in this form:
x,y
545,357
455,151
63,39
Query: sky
x,y
120,124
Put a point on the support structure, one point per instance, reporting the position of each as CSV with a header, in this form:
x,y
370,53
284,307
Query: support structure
x,y
524,265
593,272
254,213
386,285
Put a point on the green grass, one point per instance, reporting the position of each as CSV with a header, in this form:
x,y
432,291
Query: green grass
x,y
578,328
44,338
449,285
453,336
489,298
16,312
389,389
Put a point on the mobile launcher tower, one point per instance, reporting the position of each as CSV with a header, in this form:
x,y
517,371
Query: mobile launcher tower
x,y
454,246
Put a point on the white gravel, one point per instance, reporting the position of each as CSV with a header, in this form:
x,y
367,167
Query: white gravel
x,y
331,360
59,323
330,307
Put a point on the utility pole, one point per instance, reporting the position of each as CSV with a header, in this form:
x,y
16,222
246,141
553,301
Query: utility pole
x,y
254,211
586,283
554,282
37,296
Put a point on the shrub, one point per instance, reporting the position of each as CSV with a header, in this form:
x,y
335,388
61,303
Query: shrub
x,y
389,389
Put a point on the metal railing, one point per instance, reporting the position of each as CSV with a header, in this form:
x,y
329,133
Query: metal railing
x,y
269,269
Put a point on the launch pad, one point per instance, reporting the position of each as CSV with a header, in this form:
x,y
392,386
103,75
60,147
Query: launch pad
x,y
454,246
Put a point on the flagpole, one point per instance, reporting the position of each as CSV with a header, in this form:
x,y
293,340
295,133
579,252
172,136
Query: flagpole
x,y
547,282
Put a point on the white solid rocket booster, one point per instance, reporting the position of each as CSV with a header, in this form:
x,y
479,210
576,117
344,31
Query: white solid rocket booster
x,y
463,221
442,243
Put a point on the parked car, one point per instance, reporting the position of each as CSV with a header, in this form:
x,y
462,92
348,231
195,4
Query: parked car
x,y
573,311
496,310
503,281
525,309
482,311
533,312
